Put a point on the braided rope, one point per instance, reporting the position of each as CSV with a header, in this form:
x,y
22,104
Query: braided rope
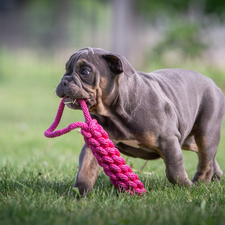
x,y
107,155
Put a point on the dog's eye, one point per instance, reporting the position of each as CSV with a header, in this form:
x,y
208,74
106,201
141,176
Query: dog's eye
x,y
85,72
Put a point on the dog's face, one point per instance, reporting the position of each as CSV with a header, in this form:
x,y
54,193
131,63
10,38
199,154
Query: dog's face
x,y
93,75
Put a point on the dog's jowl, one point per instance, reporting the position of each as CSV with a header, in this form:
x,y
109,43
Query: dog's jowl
x,y
147,115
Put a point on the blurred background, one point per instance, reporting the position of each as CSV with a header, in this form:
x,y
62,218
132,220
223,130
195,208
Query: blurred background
x,y
142,30
38,36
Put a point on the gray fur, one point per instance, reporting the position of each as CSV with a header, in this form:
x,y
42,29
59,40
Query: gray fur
x,y
147,115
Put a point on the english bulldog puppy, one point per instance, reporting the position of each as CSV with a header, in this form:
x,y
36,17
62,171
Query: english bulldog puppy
x,y
147,115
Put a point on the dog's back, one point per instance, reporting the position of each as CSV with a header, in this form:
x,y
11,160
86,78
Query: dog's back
x,y
191,93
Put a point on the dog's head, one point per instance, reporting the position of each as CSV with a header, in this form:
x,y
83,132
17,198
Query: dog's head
x,y
93,75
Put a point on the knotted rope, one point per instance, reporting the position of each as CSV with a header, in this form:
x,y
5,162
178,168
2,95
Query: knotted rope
x,y
102,148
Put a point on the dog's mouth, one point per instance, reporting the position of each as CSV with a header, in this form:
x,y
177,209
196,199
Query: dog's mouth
x,y
74,103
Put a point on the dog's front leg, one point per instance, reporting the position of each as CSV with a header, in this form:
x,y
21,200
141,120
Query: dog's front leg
x,y
88,171
173,158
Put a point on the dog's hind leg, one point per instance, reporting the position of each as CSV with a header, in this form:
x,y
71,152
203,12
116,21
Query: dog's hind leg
x,y
207,131
190,144
217,171
207,168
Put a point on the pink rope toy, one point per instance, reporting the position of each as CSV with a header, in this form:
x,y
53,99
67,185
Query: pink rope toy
x,y
102,148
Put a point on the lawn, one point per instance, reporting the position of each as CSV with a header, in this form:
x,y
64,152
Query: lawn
x,y
37,174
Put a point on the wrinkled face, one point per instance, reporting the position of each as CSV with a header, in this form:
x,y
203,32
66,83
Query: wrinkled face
x,y
92,75
87,77
79,81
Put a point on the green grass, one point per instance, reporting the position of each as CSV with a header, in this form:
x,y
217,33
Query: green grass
x,y
37,174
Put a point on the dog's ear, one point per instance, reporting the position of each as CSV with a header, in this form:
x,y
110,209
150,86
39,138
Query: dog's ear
x,y
119,64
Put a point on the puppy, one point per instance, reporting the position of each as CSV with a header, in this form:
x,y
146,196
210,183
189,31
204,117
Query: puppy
x,y
147,115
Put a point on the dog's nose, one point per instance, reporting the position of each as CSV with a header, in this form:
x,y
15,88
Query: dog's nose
x,y
65,83
66,80
60,90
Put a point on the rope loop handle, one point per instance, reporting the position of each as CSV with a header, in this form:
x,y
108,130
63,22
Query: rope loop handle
x,y
107,155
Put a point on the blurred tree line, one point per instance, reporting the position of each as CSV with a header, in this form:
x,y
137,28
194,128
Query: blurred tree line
x,y
170,8
117,25
184,21
52,23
